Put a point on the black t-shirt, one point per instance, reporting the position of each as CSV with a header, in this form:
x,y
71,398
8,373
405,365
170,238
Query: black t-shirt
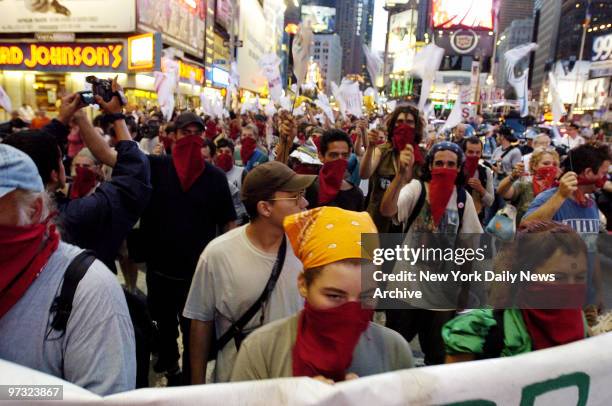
x,y
178,225
351,199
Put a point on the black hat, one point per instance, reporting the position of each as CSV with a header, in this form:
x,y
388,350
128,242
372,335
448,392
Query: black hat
x,y
186,119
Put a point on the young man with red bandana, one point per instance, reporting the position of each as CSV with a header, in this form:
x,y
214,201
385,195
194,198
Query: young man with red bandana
x,y
586,171
224,159
440,210
191,203
479,177
250,155
332,187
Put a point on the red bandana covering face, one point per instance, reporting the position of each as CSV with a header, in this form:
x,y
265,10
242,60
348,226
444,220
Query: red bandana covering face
x,y
353,138
247,149
234,130
225,162
84,181
317,141
403,135
544,179
167,141
330,180
188,160
326,339
261,128
549,328
441,188
211,130
581,198
471,164
22,257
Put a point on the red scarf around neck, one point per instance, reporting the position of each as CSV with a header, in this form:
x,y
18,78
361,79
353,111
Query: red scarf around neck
x,y
549,328
326,339
24,252
330,180
188,160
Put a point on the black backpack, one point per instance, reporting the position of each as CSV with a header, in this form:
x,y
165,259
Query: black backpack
x,y
137,306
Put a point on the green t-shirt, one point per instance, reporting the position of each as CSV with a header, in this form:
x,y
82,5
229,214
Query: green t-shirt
x,y
522,198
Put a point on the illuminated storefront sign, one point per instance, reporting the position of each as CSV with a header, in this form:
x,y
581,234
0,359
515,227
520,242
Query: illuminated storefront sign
x,y
144,52
220,77
189,72
58,57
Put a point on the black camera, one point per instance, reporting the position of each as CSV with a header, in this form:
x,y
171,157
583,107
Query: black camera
x,y
101,87
87,97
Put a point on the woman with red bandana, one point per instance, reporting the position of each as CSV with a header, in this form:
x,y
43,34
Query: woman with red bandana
x,y
526,326
544,167
332,339
86,174
379,163
436,203
250,155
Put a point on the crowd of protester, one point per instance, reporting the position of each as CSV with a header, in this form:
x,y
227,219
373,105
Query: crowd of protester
x,y
248,228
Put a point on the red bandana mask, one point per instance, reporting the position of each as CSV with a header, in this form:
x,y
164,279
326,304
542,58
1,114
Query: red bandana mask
x,y
188,160
353,138
317,141
471,164
330,180
247,149
211,130
261,128
403,135
326,339
581,198
234,130
225,162
549,328
441,188
167,141
22,257
544,179
84,181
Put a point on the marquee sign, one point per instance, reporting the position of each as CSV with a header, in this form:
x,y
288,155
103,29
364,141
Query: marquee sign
x,y
63,57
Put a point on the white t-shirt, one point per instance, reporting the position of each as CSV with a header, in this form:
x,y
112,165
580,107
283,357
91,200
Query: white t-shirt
x,y
573,142
409,195
234,179
231,274
234,176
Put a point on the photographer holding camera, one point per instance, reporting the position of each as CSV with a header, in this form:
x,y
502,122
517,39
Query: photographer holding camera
x,y
101,219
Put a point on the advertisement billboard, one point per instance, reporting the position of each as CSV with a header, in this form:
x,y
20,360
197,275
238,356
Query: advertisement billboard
x,y
402,39
474,14
322,19
256,43
64,57
466,42
181,22
67,16
223,13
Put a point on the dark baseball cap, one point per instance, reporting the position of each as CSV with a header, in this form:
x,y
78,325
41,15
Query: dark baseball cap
x,y
186,119
265,179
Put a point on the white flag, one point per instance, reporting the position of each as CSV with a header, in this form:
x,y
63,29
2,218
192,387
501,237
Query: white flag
x,y
301,52
426,64
349,97
373,63
558,109
5,101
165,86
454,117
269,64
513,57
322,102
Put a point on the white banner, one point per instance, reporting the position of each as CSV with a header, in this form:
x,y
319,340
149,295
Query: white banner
x,y
301,52
513,57
269,64
426,64
165,86
574,374
558,109
67,16
5,101
373,63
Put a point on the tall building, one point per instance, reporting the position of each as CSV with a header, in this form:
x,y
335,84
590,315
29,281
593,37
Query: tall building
x,y
547,14
518,33
354,20
510,10
573,14
327,53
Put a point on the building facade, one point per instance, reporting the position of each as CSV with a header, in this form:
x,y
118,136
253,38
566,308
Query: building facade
x,y
327,53
511,10
547,14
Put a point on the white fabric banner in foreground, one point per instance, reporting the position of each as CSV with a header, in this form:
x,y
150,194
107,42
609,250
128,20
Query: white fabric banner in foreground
x,y
574,374
426,64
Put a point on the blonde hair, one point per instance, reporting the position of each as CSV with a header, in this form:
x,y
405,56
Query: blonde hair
x,y
538,155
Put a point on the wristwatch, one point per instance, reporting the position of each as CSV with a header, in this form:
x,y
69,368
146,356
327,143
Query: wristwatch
x,y
112,117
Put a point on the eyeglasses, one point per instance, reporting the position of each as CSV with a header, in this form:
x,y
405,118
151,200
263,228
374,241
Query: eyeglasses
x,y
297,197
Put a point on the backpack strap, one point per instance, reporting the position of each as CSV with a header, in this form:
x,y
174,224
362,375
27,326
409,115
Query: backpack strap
x,y
236,328
461,198
417,208
62,305
482,175
494,340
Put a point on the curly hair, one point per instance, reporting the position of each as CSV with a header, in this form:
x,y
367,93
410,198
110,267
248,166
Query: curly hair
x,y
419,126
538,156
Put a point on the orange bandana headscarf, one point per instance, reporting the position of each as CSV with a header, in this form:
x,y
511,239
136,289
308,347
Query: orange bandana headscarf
x,y
325,235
